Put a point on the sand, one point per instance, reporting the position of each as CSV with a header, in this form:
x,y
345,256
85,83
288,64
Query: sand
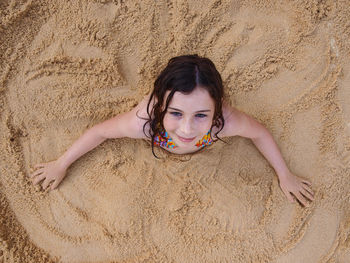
x,y
68,65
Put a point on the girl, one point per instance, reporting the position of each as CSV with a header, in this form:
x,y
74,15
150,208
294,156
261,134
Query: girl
x,y
184,113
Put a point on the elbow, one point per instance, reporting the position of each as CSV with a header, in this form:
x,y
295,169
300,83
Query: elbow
x,y
98,132
264,132
112,128
259,132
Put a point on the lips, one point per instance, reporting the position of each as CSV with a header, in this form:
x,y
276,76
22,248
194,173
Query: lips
x,y
186,139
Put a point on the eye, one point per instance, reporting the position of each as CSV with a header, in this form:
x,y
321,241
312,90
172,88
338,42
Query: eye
x,y
176,113
200,115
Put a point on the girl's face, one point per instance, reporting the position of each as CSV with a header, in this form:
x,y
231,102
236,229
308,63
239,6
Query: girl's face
x,y
189,117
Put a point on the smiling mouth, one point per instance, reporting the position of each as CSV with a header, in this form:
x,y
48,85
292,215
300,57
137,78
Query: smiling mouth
x,y
186,139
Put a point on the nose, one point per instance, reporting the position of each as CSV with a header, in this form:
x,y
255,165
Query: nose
x,y
186,127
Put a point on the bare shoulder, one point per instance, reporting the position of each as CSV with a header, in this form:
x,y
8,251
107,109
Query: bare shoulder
x,y
137,118
238,123
129,124
232,117
141,108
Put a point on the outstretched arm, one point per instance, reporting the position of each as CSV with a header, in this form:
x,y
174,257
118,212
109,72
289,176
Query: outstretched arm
x,y
122,125
55,171
289,183
117,127
239,123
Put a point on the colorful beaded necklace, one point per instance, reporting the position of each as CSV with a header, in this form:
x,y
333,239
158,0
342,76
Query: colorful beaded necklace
x,y
163,139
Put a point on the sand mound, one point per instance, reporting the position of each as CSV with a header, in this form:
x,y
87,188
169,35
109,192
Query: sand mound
x,y
66,66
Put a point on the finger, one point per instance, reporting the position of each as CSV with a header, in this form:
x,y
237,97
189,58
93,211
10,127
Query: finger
x,y
37,172
308,189
46,183
307,194
38,178
39,165
55,184
306,182
301,199
289,196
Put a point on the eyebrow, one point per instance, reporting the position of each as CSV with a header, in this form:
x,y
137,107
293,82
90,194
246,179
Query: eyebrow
x,y
182,111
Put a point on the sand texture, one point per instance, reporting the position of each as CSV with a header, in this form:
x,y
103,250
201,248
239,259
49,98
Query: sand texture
x,y
68,65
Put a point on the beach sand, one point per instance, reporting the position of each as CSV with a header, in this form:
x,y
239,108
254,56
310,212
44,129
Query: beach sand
x,y
68,65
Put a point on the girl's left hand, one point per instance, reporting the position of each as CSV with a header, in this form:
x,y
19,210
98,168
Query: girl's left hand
x,y
293,185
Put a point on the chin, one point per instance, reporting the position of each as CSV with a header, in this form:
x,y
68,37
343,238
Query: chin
x,y
187,144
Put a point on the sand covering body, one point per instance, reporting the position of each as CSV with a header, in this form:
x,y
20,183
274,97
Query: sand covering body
x,y
68,65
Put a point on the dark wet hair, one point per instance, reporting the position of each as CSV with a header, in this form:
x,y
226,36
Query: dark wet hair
x,y
184,74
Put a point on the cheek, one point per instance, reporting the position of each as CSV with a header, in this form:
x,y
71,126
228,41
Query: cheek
x,y
169,123
204,125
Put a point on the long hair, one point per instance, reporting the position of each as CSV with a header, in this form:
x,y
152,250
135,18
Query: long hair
x,y
183,74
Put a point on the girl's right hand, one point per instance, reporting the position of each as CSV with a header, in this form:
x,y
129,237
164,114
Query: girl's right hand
x,y
49,172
